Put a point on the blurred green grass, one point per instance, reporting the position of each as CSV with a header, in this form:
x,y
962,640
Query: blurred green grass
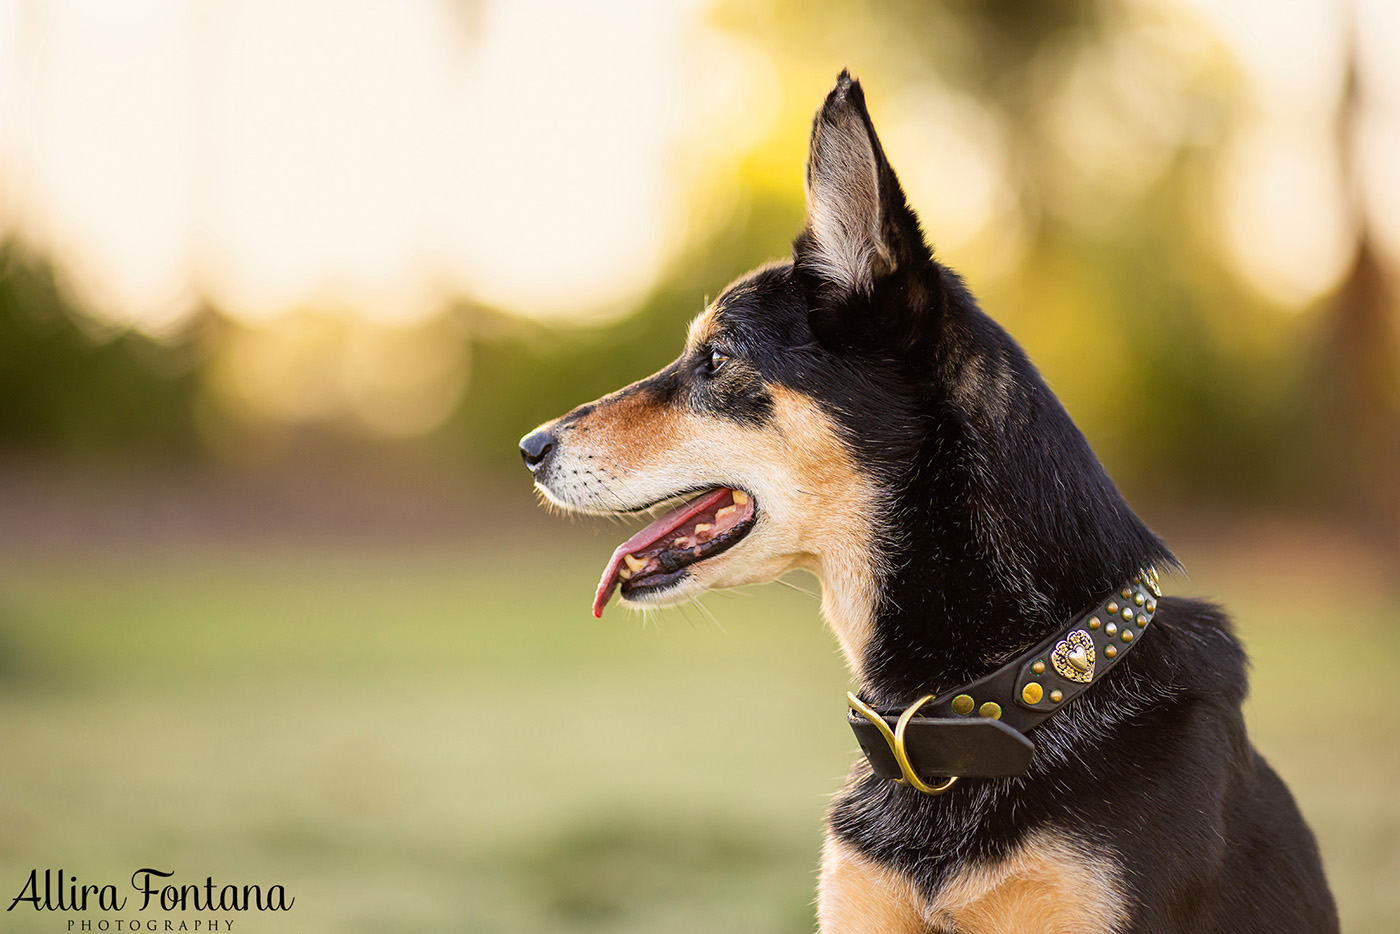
x,y
446,740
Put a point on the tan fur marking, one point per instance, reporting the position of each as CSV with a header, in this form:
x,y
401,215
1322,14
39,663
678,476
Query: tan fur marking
x,y
983,385
630,427
848,507
701,329
859,896
817,510
1050,885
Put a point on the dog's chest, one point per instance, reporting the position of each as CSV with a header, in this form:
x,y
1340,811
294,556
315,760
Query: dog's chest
x,y
1049,884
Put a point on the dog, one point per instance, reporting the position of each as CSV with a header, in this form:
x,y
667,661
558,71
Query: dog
x,y
1048,748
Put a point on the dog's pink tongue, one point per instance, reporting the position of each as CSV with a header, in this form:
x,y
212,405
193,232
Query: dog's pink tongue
x,y
649,536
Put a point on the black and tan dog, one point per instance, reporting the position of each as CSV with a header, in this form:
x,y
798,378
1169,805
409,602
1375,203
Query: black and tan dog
x,y
854,413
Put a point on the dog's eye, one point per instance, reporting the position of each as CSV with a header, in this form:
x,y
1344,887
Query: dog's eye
x,y
717,362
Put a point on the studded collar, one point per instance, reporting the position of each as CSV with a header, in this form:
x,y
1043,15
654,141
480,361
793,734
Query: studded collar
x,y
978,730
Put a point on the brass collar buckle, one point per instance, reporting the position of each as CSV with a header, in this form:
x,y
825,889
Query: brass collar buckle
x,y
895,740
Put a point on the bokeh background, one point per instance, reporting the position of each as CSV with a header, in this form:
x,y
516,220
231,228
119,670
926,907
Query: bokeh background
x,y
283,281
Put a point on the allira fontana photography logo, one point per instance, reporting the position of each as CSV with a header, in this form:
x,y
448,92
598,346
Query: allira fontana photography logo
x,y
150,891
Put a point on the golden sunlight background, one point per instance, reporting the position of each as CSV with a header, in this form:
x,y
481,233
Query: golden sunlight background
x,y
381,159
330,182
282,282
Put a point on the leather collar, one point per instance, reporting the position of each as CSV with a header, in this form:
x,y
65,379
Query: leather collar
x,y
978,730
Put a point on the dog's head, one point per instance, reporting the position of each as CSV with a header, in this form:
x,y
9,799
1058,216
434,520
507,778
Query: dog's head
x,y
825,413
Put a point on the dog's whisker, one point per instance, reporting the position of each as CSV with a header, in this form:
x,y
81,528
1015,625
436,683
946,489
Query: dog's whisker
x,y
713,619
802,590
684,609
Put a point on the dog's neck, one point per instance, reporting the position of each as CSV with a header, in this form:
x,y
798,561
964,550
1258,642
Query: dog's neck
x,y
982,564
944,618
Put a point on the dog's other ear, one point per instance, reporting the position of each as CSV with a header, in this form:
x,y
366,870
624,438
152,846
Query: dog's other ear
x,y
860,230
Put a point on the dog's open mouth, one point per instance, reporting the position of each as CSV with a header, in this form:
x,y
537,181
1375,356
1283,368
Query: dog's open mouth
x,y
657,556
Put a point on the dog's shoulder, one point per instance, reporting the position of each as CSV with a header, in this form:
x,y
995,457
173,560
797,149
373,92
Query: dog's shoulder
x,y
1192,652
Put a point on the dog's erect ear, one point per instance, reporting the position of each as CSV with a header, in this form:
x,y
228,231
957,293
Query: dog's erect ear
x,y
859,227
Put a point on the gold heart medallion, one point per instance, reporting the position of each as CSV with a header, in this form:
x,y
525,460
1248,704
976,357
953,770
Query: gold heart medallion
x,y
1073,657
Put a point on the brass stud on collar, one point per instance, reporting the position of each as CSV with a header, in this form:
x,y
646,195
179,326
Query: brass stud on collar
x,y
1032,693
1127,635
1111,651
1112,607
1152,606
1094,622
991,710
1038,668
1125,593
1112,629
1127,613
1141,621
962,705
1139,599
1056,696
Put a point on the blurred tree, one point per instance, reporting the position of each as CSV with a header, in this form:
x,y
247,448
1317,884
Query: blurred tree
x,y
1356,419
69,389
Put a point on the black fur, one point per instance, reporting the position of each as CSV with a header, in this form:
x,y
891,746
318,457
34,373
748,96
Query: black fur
x,y
1001,526
1006,525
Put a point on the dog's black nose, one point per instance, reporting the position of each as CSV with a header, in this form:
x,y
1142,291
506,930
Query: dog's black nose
x,y
536,447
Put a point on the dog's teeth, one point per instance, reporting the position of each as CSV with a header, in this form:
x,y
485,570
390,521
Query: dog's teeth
x,y
636,564
724,513
624,573
682,541
704,531
740,497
